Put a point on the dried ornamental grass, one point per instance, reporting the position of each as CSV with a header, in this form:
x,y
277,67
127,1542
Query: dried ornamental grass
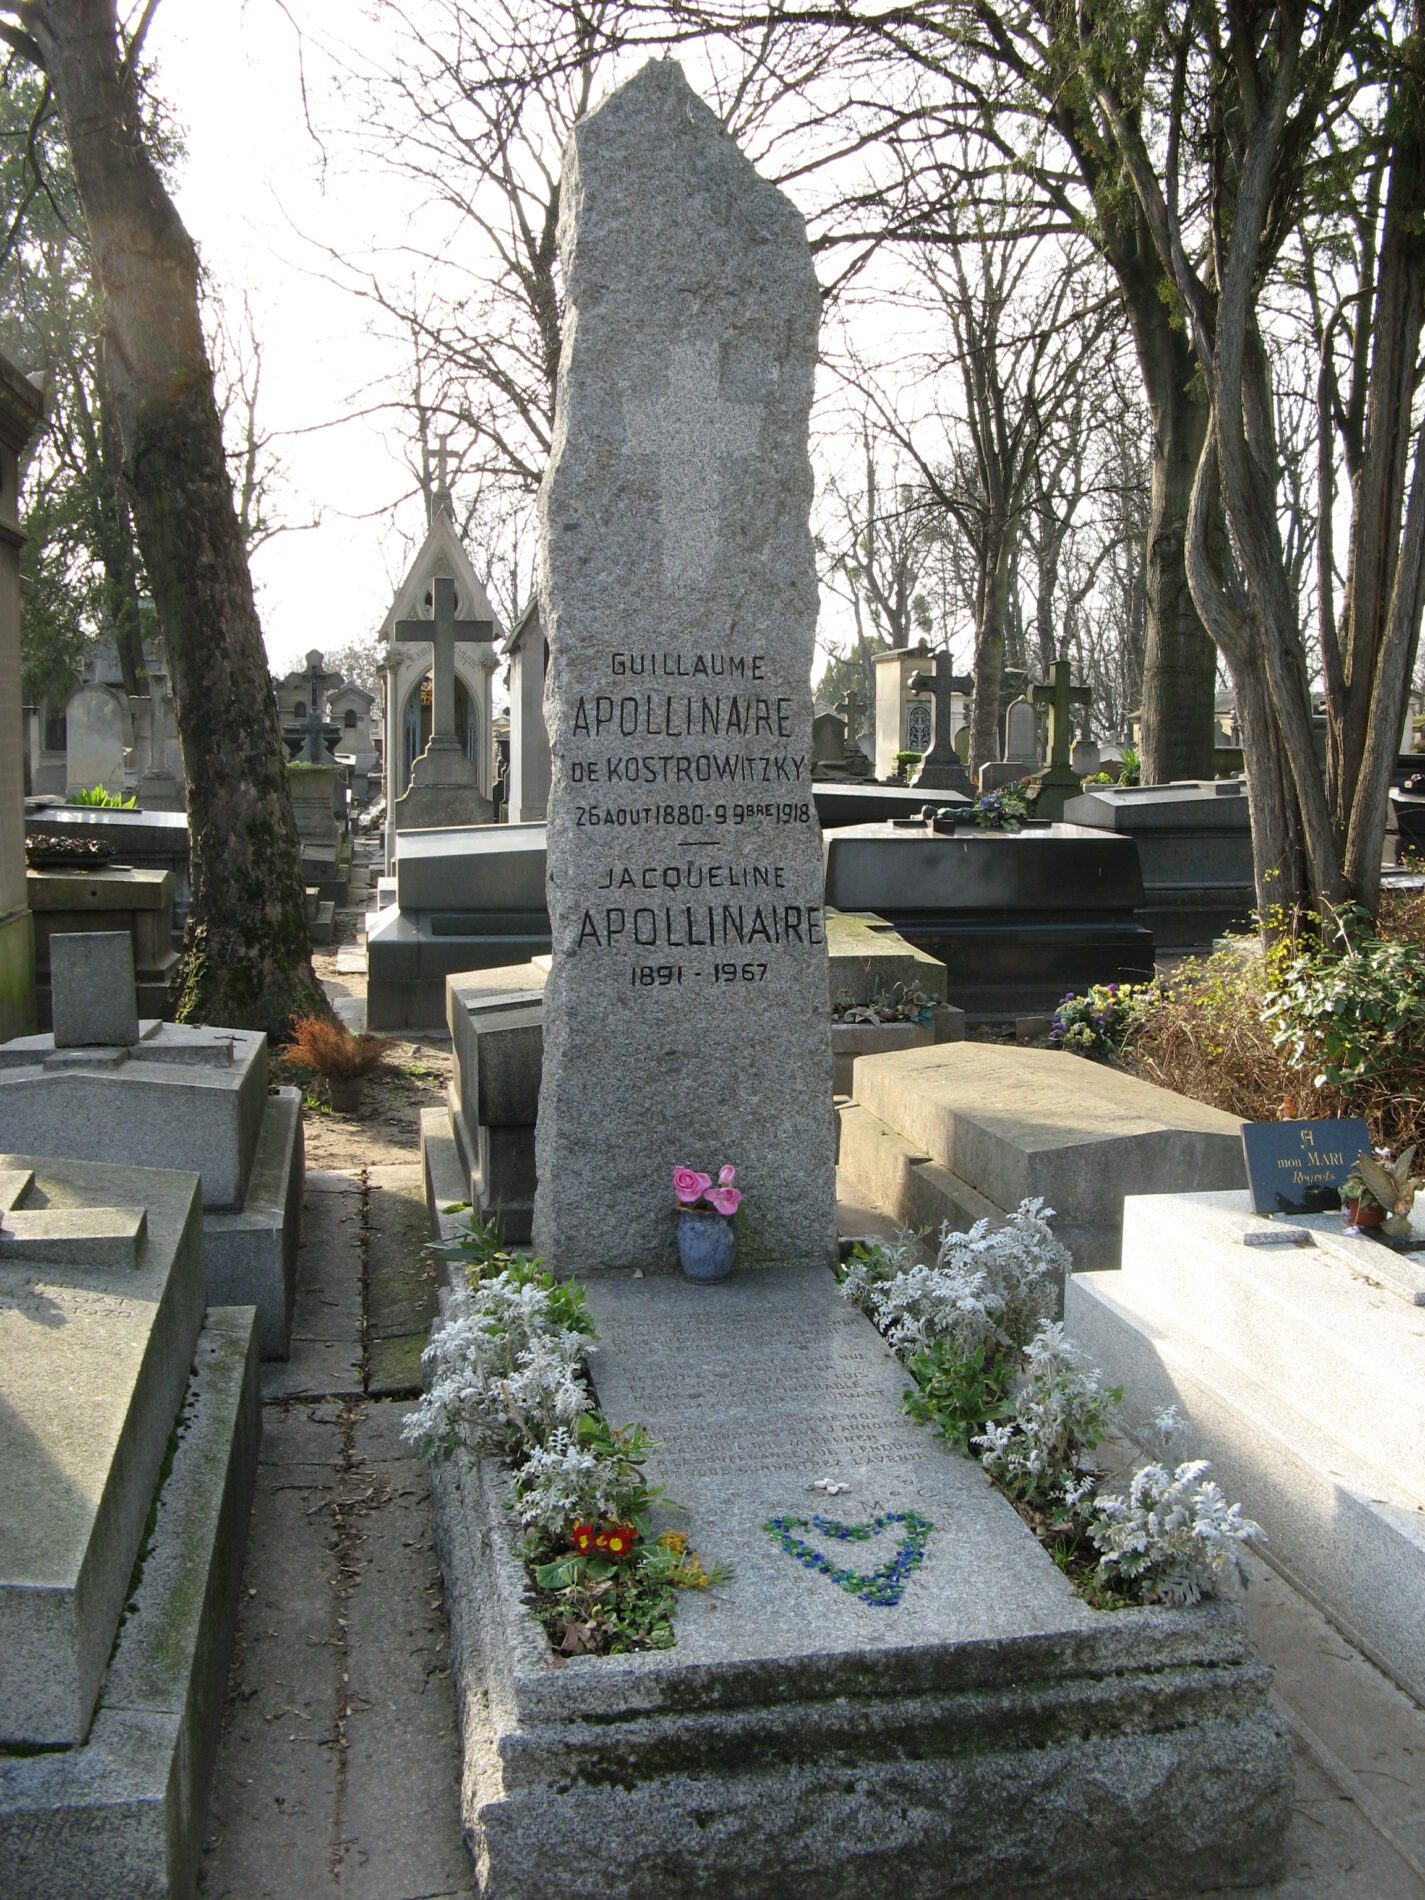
x,y
331,1049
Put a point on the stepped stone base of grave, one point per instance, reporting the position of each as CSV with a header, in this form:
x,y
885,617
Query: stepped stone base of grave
x,y
1017,918
147,840
482,1149
190,1098
966,1131
1301,1372
1195,847
466,899
983,1733
123,1518
108,898
497,1042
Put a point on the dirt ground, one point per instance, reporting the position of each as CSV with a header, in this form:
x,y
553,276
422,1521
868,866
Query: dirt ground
x,y
386,1128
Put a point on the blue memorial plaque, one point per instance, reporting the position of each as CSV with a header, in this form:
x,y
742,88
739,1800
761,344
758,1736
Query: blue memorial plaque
x,y
1298,1167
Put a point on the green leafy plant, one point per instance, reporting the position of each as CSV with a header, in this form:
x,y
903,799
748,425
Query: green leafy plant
x,y
961,1391
1004,809
1352,1010
1130,767
104,801
1386,1182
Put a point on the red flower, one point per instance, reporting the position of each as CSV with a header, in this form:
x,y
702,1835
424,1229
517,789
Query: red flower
x,y
619,1539
584,1537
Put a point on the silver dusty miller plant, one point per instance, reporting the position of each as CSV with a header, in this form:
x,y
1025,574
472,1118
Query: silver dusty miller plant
x,y
503,1373
991,1294
992,1286
1174,1535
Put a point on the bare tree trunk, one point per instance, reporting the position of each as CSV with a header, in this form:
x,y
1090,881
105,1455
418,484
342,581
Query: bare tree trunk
x,y
246,956
1179,660
989,656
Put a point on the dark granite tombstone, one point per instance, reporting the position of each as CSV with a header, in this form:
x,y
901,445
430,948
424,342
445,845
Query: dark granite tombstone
x,y
1195,851
839,805
1018,918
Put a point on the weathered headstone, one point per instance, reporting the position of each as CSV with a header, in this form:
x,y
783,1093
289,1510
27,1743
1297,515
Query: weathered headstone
x,y
686,1016
92,989
97,734
1058,782
1021,733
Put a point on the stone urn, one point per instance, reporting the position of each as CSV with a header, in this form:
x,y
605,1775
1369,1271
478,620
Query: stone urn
x,y
707,1245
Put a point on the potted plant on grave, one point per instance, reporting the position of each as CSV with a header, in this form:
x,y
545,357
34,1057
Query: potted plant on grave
x,y
331,1050
904,762
707,1244
1380,1192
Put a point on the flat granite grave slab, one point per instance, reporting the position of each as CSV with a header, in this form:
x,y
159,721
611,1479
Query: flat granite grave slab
x,y
987,1734
1300,1372
122,1814
96,1339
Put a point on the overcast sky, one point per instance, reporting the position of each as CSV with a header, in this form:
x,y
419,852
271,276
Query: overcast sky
x,y
261,203
251,192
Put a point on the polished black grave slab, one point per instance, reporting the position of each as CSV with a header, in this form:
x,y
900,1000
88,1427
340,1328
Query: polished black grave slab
x,y
1018,918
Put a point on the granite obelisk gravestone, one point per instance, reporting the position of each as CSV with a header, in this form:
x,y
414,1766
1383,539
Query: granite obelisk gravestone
x,y
686,1017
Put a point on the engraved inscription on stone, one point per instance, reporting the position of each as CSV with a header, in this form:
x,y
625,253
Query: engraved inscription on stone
x,y
686,1014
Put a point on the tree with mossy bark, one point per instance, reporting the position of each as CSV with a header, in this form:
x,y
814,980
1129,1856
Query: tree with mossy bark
x,y
246,958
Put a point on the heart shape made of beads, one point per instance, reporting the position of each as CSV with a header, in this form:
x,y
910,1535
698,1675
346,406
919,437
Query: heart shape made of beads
x,y
883,1587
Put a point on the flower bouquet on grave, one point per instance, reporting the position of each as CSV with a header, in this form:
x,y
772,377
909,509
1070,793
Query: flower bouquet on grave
x,y
706,1242
1001,810
1380,1192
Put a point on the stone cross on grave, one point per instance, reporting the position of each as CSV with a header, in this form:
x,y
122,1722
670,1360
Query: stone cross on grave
x,y
1060,698
445,633
1058,782
941,769
851,709
692,429
311,733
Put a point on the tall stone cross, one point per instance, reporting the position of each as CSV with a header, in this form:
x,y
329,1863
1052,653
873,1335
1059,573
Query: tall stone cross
x,y
313,728
851,709
1060,698
692,429
445,633
942,769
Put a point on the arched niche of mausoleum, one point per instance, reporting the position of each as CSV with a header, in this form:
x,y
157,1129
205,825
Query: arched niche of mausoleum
x,y
416,719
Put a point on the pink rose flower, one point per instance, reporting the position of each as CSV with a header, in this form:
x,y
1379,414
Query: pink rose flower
x,y
726,1175
688,1184
726,1200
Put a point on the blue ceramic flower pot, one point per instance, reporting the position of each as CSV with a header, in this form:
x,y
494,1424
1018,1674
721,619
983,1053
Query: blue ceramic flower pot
x,y
706,1244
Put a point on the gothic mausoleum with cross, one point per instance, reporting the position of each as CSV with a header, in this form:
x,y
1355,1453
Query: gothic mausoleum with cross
x,y
458,653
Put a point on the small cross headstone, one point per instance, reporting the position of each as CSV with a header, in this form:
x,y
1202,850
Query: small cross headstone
x,y
310,737
851,708
942,769
445,633
1061,698
92,989
1059,782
